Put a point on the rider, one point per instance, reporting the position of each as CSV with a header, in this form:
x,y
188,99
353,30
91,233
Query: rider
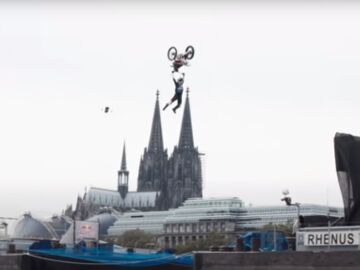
x,y
179,62
178,92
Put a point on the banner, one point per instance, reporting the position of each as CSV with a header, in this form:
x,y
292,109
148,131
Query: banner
x,y
332,238
86,230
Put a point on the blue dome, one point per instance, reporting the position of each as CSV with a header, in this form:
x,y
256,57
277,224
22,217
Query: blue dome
x,y
28,227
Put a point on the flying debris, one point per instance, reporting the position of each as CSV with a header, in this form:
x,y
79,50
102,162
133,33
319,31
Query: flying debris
x,y
106,109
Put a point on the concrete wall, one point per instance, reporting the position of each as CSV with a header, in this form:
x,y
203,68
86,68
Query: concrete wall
x,y
340,260
10,262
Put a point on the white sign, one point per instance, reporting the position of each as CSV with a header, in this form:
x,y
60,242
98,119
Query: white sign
x,y
332,238
87,230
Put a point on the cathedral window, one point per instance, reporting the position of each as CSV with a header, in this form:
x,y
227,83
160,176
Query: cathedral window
x,y
179,172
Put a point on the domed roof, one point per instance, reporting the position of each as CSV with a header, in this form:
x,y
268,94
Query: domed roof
x,y
105,220
27,227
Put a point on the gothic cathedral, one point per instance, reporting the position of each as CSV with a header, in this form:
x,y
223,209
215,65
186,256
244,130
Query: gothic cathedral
x,y
163,182
177,177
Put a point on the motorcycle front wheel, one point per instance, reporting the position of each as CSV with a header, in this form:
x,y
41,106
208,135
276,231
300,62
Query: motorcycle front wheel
x,y
189,52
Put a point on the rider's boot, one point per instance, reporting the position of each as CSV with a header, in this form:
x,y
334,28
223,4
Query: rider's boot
x,y
166,105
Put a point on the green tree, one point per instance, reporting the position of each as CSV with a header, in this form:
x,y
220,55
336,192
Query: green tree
x,y
285,228
215,239
212,239
136,239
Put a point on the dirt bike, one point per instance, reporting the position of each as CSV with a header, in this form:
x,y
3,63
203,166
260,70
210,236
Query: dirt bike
x,y
181,59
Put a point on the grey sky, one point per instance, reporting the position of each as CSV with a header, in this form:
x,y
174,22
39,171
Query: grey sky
x,y
270,83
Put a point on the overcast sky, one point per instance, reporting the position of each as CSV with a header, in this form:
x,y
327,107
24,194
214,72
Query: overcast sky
x,y
270,85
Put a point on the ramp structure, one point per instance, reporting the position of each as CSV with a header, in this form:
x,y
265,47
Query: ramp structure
x,y
347,157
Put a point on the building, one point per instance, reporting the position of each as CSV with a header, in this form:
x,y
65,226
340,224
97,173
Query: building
x,y
163,182
316,215
150,222
198,217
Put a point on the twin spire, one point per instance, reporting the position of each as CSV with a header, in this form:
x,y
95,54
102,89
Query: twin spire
x,y
156,145
186,140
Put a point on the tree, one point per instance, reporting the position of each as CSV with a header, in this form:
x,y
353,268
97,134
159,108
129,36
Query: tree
x,y
136,239
285,228
215,239
212,239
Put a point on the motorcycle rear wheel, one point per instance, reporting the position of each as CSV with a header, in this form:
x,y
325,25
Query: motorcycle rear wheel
x,y
172,53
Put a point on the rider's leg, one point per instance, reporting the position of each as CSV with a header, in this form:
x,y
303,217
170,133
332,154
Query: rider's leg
x,y
171,101
179,100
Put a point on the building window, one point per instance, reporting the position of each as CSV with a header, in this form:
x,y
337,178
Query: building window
x,y
216,226
222,226
208,227
194,228
174,228
181,228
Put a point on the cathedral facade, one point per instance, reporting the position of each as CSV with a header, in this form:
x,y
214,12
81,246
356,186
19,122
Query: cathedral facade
x,y
164,181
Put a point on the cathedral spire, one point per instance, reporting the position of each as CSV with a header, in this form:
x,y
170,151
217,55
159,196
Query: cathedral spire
x,y
123,159
123,176
186,134
156,140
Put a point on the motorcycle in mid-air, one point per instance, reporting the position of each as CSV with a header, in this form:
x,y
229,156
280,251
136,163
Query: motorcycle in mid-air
x,y
179,60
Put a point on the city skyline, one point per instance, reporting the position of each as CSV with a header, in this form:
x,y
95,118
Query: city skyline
x,y
270,85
